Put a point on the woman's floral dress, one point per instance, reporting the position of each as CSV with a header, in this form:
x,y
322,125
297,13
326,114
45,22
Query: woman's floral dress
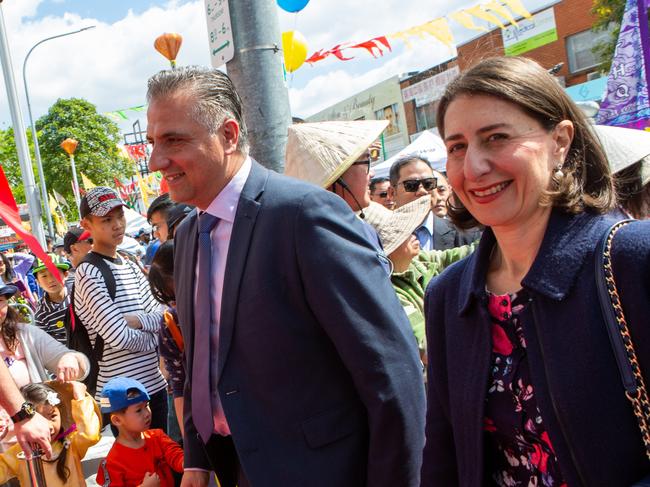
x,y
518,449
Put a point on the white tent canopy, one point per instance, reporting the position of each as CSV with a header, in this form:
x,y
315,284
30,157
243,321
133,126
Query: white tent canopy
x,y
428,146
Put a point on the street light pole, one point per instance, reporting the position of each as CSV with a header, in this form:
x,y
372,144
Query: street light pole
x,y
39,163
31,193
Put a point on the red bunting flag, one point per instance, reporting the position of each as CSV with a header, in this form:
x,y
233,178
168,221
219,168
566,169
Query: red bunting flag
x,y
9,213
375,46
6,196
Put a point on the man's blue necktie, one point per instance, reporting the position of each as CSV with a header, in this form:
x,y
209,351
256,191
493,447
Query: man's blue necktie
x,y
202,415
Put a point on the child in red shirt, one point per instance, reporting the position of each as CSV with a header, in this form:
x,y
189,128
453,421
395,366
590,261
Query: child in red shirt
x,y
140,456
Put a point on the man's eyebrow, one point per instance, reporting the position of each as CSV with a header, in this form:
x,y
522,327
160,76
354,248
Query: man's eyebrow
x,y
482,130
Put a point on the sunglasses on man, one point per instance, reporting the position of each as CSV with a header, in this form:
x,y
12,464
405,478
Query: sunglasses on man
x,y
383,194
412,185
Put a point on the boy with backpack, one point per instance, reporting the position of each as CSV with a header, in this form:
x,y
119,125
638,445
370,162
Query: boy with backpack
x,y
113,305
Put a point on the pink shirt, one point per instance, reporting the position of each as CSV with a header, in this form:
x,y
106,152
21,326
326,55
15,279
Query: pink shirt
x,y
224,206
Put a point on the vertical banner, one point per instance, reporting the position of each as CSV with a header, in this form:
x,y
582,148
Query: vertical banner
x,y
626,101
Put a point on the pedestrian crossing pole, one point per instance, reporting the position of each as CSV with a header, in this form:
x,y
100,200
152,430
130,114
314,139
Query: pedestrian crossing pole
x,y
257,72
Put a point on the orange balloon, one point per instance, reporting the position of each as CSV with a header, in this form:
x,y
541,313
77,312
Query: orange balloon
x,y
69,145
168,44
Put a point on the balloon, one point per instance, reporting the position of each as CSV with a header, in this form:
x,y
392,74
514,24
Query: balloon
x,y
294,46
292,5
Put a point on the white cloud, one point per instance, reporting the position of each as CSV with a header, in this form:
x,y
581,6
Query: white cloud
x,y
109,65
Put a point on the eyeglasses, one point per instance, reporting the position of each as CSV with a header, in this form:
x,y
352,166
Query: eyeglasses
x,y
383,194
365,162
412,185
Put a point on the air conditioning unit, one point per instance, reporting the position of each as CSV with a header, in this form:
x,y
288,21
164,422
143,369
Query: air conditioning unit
x,y
593,75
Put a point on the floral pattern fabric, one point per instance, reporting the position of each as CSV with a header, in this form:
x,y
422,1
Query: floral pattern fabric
x,y
518,448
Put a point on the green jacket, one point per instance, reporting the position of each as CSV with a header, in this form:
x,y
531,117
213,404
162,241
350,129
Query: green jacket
x,y
411,284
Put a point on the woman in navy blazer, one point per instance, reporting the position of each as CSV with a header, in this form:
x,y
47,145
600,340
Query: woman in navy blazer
x,y
523,385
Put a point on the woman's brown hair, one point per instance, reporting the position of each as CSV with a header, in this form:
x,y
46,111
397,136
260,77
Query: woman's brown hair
x,y
587,182
8,328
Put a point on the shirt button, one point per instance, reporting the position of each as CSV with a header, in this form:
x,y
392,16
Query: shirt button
x,y
504,302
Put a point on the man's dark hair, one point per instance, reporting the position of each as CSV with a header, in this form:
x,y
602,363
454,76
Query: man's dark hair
x,y
214,95
399,164
375,181
162,204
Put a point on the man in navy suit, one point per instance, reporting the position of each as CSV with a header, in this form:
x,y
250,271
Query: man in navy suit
x,y
312,376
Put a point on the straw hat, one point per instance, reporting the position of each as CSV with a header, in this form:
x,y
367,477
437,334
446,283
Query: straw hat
x,y
394,227
625,147
321,152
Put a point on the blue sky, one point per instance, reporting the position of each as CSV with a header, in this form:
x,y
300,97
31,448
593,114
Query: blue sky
x,y
109,65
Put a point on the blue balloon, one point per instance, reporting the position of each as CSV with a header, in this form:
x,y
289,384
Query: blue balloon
x,y
292,5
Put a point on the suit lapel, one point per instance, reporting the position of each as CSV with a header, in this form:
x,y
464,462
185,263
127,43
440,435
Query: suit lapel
x,y
240,239
186,240
443,236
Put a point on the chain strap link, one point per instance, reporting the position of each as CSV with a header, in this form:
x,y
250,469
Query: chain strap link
x,y
639,399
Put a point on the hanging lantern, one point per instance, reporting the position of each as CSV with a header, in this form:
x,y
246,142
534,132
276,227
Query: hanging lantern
x,y
69,145
168,44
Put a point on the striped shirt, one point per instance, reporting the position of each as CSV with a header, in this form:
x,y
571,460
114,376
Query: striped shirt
x,y
127,352
50,316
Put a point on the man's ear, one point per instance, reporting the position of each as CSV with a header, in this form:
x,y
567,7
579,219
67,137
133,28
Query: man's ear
x,y
84,223
230,132
391,192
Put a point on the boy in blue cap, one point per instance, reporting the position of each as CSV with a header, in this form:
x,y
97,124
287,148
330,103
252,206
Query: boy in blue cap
x,y
139,456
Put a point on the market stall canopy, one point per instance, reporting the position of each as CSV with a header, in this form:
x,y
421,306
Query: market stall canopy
x,y
427,146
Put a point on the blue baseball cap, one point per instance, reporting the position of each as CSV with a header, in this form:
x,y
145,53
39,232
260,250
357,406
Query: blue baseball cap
x,y
120,393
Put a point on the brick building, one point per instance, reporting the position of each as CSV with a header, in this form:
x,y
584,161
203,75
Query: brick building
x,y
558,33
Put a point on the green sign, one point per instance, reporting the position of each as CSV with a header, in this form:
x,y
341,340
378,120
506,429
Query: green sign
x,y
530,34
532,43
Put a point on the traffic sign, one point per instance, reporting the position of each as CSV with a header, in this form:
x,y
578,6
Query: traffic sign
x,y
220,38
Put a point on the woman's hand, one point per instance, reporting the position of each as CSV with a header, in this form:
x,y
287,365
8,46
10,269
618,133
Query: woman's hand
x,y
151,480
68,368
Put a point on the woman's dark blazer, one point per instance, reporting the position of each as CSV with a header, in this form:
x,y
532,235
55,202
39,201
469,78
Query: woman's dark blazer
x,y
577,385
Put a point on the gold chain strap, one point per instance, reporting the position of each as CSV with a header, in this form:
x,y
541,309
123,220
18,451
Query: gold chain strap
x,y
640,402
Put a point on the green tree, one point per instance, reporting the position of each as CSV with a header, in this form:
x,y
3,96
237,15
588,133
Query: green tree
x,y
97,154
10,164
607,12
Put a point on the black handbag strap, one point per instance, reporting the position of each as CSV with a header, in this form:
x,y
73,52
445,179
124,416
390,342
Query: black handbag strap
x,y
619,334
609,314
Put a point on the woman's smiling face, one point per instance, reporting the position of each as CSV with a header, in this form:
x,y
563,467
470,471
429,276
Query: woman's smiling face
x,y
500,159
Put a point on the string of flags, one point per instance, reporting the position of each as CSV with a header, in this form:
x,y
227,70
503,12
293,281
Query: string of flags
x,y
495,12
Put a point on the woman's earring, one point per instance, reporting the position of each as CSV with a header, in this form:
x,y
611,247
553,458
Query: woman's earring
x,y
558,174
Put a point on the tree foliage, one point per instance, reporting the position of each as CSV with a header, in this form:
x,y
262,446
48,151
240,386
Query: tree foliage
x,y
97,154
607,12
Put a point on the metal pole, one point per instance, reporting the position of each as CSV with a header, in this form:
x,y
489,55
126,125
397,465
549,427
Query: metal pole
x,y
37,151
75,183
31,192
256,71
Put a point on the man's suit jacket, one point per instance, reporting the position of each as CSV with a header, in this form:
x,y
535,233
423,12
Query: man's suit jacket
x,y
447,236
319,374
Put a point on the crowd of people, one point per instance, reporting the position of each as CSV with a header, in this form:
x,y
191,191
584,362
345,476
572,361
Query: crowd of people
x,y
325,327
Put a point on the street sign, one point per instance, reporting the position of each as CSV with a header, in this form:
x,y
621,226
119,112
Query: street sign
x,y
220,39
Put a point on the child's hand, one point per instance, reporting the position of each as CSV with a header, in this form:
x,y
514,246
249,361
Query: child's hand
x,y
133,322
78,390
151,480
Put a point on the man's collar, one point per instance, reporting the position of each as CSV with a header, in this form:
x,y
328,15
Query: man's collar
x,y
224,205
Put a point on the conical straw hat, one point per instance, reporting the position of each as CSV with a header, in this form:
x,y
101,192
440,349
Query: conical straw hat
x,y
625,147
321,152
394,227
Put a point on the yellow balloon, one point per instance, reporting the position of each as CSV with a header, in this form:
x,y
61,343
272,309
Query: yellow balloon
x,y
294,46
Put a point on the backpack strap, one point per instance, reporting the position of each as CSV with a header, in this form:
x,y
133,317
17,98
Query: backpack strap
x,y
175,332
99,261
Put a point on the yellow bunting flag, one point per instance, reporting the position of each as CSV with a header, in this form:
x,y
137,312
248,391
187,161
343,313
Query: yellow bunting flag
x,y
517,7
88,184
438,28
477,11
495,6
61,228
466,20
